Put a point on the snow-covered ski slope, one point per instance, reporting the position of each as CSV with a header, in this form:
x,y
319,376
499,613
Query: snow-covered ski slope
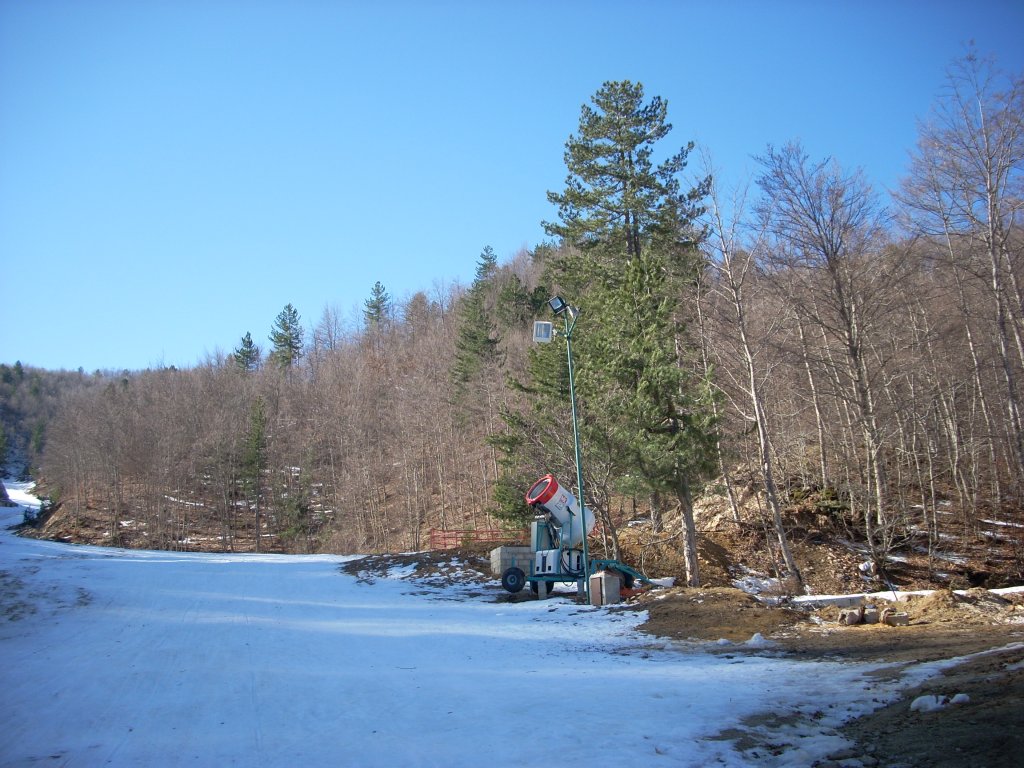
x,y
136,658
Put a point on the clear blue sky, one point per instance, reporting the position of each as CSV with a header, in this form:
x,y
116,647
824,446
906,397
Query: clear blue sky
x,y
173,172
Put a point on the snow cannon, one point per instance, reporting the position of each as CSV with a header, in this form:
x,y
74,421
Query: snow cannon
x,y
556,551
564,510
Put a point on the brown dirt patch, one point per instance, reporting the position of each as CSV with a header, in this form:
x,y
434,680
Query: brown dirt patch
x,y
987,730
942,625
975,606
715,613
727,554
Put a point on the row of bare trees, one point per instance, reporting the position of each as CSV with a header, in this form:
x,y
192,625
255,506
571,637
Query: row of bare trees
x,y
352,450
876,352
869,350
364,442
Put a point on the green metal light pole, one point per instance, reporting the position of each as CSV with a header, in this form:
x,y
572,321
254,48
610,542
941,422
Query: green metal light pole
x,y
569,315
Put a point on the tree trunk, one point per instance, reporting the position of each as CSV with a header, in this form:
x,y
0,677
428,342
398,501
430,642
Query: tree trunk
x,y
689,530
819,419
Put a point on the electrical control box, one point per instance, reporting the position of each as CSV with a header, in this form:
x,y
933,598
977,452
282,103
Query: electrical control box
x,y
556,562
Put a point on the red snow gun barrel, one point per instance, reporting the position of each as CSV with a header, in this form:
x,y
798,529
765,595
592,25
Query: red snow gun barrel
x,y
563,507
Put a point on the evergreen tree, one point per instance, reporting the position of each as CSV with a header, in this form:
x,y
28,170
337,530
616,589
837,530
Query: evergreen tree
x,y
254,459
633,236
476,346
516,305
617,202
377,308
247,355
38,440
286,338
655,408
487,267
537,440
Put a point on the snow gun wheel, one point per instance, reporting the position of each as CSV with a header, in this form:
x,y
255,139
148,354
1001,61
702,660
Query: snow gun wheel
x,y
513,579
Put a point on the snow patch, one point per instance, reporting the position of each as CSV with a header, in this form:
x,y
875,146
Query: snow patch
x,y
758,640
933,703
1004,523
753,584
399,572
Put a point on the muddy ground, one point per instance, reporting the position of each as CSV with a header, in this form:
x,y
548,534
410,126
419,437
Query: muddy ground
x,y
985,732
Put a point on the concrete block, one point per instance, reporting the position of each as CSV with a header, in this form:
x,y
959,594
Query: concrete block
x,y
503,558
895,618
604,588
851,616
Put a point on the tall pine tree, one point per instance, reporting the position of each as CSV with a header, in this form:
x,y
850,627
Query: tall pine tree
x,y
617,203
377,308
247,354
254,460
633,232
286,338
476,346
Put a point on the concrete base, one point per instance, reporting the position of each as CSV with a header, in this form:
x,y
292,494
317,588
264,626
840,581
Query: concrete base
x,y
604,588
503,558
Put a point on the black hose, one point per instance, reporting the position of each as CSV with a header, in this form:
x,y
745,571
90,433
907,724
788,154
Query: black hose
x,y
567,566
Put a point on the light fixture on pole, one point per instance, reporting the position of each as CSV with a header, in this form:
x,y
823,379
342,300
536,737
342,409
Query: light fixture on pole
x,y
569,314
557,304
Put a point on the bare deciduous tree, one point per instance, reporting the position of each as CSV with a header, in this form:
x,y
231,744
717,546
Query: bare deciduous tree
x,y
967,186
827,231
734,268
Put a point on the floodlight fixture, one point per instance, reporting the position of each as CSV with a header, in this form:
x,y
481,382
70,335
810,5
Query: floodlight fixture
x,y
543,331
557,304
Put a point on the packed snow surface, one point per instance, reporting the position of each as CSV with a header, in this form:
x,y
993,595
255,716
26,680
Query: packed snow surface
x,y
139,658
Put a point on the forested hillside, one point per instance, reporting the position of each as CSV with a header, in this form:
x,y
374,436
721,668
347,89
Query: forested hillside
x,y
29,399
807,342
